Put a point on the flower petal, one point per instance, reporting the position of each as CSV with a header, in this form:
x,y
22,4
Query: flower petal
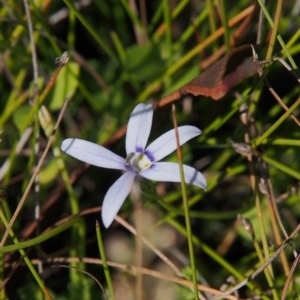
x,y
167,171
93,154
139,127
115,197
166,143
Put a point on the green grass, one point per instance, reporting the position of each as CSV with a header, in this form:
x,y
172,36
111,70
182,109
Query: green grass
x,y
118,58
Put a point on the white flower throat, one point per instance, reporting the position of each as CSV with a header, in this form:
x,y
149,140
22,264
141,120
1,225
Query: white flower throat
x,y
138,161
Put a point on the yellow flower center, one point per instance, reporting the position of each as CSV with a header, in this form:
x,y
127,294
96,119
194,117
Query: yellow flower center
x,y
138,161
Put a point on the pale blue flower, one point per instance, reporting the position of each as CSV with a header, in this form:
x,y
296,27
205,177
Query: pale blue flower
x,y
140,161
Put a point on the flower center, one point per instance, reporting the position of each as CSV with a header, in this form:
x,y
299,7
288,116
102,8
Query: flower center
x,y
137,161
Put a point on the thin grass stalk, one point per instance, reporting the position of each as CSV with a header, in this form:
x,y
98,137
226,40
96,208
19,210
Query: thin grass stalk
x,y
186,208
104,262
27,260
